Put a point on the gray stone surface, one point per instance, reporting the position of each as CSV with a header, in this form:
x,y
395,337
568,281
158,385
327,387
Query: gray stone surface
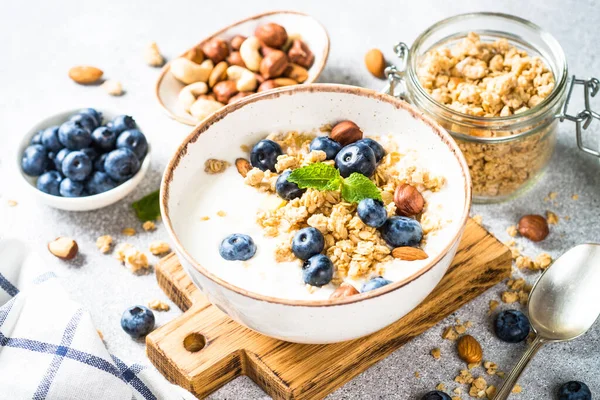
x,y
42,40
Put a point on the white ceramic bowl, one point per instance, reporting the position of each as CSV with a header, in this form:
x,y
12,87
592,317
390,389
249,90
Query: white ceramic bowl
x,y
298,108
312,32
78,203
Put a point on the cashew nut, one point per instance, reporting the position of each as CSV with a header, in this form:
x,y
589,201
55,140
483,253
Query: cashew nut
x,y
250,54
245,81
187,95
202,108
188,71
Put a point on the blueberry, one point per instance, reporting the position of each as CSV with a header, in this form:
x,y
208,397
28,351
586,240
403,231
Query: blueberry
x,y
50,140
329,146
50,166
372,212
237,247
307,242
99,163
436,395
121,164
85,120
71,188
375,146
574,390
104,139
59,157
49,182
96,114
401,231
91,153
122,123
264,155
285,189
374,283
34,160
137,321
74,136
317,270
99,182
77,166
37,138
356,157
135,141
512,326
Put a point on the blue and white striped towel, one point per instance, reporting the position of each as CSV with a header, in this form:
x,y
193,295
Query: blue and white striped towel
x,y
49,348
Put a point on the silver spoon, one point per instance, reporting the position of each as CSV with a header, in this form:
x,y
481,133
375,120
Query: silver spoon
x,y
563,304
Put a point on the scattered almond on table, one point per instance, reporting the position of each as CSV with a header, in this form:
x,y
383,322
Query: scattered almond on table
x,y
375,63
85,75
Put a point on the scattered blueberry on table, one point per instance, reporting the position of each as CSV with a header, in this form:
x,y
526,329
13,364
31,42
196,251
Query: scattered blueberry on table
x,y
436,395
237,247
264,155
137,321
401,231
574,390
82,157
372,212
285,189
307,242
375,283
512,326
317,270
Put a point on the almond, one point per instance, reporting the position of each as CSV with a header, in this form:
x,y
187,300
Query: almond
x,y
533,227
375,63
408,200
344,290
63,247
243,166
85,74
346,132
409,253
469,349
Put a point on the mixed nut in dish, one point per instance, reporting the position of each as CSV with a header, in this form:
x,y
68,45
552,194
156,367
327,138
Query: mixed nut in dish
x,y
220,72
325,216
83,156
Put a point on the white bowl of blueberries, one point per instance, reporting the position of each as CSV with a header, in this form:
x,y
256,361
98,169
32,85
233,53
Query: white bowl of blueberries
x,y
84,159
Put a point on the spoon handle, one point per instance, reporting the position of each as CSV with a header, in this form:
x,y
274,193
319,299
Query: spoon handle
x,y
514,375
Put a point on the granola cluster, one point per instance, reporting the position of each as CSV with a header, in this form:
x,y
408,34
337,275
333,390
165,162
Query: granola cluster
x,y
493,79
356,250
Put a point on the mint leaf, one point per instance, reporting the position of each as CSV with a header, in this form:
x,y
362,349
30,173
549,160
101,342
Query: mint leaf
x,y
318,175
357,187
148,207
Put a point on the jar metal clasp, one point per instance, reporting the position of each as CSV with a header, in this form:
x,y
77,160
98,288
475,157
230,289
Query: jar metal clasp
x,y
395,74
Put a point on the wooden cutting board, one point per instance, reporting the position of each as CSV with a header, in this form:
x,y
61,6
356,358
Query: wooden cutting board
x,y
203,349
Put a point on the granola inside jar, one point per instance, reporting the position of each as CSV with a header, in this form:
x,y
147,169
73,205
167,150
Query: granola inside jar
x,y
497,83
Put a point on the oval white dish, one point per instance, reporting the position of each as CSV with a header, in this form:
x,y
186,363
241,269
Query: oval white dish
x,y
300,108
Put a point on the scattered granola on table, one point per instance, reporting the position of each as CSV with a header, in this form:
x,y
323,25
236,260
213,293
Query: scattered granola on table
x,y
159,305
132,258
158,247
104,243
128,231
149,226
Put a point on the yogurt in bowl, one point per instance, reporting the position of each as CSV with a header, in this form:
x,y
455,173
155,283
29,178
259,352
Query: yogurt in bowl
x,y
373,279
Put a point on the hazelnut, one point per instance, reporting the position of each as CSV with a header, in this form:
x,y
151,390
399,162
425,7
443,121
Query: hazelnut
x,y
409,201
296,72
300,54
533,227
237,41
259,78
225,90
274,64
239,96
344,290
267,85
346,132
285,81
266,50
235,59
64,248
271,34
195,55
216,49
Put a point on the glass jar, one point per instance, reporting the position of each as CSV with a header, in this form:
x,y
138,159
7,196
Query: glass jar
x,y
505,155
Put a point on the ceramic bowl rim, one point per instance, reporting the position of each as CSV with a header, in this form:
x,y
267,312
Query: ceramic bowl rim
x,y
165,68
101,198
181,152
